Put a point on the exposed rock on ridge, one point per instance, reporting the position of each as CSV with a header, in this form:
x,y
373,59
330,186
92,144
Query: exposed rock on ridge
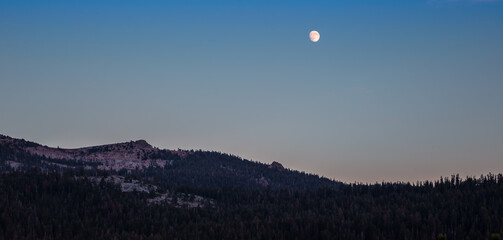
x,y
127,155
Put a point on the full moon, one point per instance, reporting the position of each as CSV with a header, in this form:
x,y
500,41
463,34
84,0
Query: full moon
x,y
314,36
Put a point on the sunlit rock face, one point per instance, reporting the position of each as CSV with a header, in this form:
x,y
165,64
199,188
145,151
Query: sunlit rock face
x,y
128,155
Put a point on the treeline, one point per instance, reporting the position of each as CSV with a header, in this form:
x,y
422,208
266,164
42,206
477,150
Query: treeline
x,y
35,205
215,170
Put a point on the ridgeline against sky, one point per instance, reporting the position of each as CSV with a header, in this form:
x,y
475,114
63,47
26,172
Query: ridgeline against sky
x,y
394,90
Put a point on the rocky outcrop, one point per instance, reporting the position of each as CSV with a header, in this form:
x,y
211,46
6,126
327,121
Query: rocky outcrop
x,y
126,155
277,166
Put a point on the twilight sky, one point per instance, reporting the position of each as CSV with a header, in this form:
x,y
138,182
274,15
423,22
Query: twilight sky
x,y
394,90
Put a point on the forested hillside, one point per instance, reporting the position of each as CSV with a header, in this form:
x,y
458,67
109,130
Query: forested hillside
x,y
56,205
132,190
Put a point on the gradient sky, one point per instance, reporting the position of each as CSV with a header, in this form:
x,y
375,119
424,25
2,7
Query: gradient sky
x,y
394,90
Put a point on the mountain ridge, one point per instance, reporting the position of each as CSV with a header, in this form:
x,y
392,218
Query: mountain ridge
x,y
181,167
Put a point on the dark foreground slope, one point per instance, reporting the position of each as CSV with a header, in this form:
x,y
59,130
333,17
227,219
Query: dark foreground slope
x,y
35,205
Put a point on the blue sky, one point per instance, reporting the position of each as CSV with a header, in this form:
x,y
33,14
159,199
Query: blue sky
x,y
394,90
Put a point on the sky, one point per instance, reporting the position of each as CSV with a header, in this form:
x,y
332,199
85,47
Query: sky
x,y
393,91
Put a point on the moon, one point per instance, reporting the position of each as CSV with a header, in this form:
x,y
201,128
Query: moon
x,y
314,36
